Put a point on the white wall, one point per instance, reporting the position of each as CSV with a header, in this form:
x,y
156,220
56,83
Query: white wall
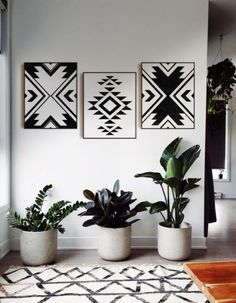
x,y
4,237
223,21
103,35
4,139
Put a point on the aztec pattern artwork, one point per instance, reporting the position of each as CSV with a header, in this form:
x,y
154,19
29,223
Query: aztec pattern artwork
x,y
109,105
168,95
99,284
50,95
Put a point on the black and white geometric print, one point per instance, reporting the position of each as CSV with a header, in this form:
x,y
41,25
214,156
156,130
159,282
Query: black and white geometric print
x,y
50,95
99,284
109,105
168,95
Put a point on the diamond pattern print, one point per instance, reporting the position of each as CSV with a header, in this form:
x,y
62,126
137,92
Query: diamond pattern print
x,y
97,284
109,105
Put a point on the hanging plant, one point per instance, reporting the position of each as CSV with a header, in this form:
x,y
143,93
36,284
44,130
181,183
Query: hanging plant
x,y
221,79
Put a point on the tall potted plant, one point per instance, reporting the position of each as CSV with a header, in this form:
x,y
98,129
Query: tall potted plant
x,y
174,236
38,237
110,211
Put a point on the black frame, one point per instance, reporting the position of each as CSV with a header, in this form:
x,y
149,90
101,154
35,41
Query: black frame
x,y
169,62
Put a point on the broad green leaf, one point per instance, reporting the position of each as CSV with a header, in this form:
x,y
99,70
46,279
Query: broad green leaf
x,y
193,180
188,157
157,177
89,205
104,196
183,202
125,198
173,169
89,222
142,206
172,182
89,194
190,184
158,207
116,187
94,211
169,151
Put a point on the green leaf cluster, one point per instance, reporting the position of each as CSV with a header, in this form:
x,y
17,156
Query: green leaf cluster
x,y
36,220
221,79
111,209
174,185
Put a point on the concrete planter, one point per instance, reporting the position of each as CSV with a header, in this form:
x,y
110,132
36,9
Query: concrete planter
x,y
38,248
174,243
114,243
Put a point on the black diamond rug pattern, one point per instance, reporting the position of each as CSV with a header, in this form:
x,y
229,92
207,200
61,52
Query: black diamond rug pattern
x,y
99,284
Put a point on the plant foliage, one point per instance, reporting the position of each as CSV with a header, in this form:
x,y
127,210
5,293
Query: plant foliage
x,y
173,184
111,209
221,79
36,220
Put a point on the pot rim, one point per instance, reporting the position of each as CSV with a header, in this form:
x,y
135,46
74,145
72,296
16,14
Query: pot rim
x,y
116,228
38,231
184,225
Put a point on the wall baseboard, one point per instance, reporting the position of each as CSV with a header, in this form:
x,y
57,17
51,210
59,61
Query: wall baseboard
x,y
67,243
4,248
229,196
4,209
4,242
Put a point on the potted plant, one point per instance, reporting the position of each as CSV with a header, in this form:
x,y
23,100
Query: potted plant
x,y
221,173
111,211
221,79
38,238
174,236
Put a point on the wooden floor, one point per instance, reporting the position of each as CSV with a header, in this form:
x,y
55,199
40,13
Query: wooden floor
x,y
221,245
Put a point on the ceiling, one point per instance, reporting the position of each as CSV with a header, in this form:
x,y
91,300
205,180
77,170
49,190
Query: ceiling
x,y
222,17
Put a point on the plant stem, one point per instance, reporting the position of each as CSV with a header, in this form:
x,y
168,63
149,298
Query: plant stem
x,y
173,205
166,200
175,209
163,216
168,203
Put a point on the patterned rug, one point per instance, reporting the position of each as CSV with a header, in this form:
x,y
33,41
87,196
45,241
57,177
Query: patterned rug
x,y
98,284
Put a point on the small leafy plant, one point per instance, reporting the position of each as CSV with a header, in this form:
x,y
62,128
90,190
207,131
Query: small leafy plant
x,y
37,220
221,79
173,184
109,209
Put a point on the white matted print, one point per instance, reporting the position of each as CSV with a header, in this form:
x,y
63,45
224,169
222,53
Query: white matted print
x,y
110,105
50,95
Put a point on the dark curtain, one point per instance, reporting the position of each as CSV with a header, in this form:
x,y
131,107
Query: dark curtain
x,y
209,205
216,139
209,197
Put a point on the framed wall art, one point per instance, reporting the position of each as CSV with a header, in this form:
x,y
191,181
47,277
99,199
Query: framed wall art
x,y
50,95
168,95
109,105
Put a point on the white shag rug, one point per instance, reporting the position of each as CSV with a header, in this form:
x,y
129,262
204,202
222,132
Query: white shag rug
x,y
99,284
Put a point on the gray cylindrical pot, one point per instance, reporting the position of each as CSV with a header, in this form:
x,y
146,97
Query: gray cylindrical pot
x,y
175,243
114,243
38,248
